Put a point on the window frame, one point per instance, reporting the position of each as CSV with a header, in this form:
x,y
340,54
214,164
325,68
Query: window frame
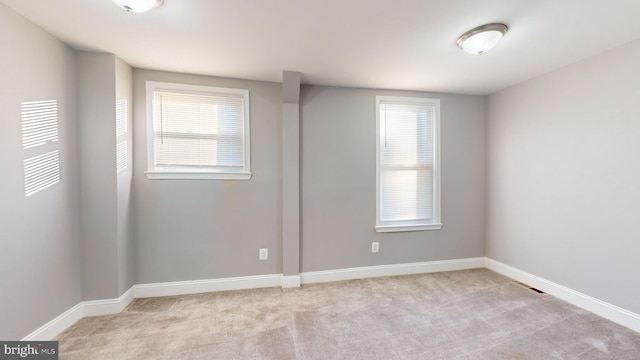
x,y
154,172
417,225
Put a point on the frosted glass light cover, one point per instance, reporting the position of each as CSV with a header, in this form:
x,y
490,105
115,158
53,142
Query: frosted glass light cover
x,y
481,39
482,42
138,6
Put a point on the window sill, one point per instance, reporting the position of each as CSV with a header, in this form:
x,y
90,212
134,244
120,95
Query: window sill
x,y
402,228
172,175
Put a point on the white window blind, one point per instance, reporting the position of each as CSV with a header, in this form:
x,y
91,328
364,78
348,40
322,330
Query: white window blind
x,y
200,129
408,179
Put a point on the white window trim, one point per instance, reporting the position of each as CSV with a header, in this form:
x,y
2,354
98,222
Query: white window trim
x,y
436,223
187,173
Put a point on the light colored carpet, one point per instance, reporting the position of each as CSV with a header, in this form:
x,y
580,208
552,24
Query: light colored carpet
x,y
471,314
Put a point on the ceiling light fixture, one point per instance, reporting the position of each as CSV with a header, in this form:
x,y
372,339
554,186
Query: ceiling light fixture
x,y
479,40
138,6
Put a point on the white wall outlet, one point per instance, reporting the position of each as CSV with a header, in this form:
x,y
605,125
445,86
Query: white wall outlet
x,y
375,246
264,254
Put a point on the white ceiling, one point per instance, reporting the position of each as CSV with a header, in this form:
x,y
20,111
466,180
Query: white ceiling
x,y
394,44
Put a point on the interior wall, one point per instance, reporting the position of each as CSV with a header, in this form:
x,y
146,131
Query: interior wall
x,y
563,176
338,172
204,229
108,245
98,190
39,234
126,241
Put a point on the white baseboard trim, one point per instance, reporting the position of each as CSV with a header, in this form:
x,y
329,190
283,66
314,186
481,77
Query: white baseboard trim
x,y
84,309
113,306
202,286
599,307
391,270
107,307
291,281
54,327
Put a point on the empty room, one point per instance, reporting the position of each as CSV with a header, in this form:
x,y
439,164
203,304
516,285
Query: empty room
x,y
355,179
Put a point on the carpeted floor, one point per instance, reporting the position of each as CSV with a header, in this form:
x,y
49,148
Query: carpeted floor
x,y
471,314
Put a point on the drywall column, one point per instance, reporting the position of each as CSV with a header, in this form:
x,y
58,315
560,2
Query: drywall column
x,y
290,179
98,192
104,86
124,162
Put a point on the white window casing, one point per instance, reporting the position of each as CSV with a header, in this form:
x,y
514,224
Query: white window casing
x,y
407,164
197,132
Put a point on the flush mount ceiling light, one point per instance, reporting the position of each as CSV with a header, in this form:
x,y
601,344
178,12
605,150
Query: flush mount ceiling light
x,y
479,40
138,6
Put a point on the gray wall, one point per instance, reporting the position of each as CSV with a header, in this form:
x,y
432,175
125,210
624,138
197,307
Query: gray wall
x,y
108,246
98,196
126,241
338,182
189,230
203,229
564,181
39,236
290,174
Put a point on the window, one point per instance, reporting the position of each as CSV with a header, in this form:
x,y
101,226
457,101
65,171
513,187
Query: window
x,y
197,132
408,164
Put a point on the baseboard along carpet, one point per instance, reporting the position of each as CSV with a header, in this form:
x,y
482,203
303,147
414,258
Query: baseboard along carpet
x,y
469,314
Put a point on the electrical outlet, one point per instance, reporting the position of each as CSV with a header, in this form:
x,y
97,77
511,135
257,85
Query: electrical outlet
x,y
375,246
264,254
